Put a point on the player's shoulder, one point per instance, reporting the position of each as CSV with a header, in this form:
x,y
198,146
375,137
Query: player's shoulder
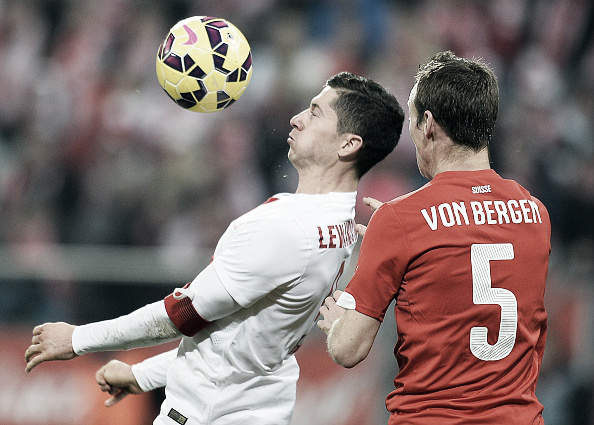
x,y
309,206
278,216
281,210
526,194
450,184
412,197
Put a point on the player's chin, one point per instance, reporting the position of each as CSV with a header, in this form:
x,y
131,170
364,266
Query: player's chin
x,y
291,155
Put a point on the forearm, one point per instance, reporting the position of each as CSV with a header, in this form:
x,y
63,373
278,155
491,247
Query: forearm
x,y
350,338
149,325
341,351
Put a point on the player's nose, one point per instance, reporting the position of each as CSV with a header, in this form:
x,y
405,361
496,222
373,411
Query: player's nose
x,y
297,122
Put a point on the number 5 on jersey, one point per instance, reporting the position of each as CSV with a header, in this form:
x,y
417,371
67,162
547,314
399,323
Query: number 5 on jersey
x,y
483,293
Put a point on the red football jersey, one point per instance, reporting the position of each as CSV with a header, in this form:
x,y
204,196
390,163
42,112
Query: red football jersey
x,y
466,257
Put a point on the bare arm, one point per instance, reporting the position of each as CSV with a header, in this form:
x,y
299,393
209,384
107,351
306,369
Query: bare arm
x,y
350,334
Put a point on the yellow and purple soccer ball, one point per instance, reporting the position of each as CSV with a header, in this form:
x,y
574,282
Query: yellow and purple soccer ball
x,y
204,64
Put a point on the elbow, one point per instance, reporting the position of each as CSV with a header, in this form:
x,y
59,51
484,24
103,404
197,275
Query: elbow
x,y
346,362
347,357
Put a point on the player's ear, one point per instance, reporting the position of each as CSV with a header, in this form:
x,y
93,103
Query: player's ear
x,y
429,125
350,146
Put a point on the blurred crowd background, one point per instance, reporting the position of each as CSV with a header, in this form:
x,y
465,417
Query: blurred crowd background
x,y
94,154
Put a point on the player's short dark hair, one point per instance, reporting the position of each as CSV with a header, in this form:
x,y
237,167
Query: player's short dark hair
x,y
368,110
462,95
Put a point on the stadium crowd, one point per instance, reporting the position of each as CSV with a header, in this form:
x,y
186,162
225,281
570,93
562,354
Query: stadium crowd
x,y
93,152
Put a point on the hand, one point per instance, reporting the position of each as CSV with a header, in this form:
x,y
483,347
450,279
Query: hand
x,y
117,379
374,204
51,341
331,312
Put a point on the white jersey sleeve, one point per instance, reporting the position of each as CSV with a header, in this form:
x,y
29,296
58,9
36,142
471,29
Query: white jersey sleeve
x,y
202,301
152,372
264,255
149,325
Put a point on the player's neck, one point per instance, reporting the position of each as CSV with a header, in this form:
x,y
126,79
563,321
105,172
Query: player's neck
x,y
468,162
326,182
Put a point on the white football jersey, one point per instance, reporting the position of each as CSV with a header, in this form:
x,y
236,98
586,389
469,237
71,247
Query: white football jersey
x,y
279,262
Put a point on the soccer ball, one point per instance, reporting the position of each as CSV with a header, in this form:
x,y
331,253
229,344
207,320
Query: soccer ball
x,y
204,64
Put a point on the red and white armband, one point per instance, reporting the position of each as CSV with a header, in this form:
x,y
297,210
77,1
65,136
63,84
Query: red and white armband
x,y
196,305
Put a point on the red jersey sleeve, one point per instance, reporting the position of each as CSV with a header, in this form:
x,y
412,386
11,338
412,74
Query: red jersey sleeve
x,y
379,272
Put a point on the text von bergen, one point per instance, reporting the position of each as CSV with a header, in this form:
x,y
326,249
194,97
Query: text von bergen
x,y
451,214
